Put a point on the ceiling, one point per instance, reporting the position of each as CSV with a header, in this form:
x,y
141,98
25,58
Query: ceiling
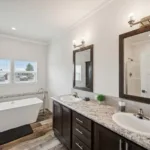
x,y
41,19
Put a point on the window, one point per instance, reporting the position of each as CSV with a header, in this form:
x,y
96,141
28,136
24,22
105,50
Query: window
x,y
78,72
4,71
25,72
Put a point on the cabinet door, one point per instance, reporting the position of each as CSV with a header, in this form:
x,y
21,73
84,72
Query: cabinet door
x,y
105,139
132,146
57,118
66,126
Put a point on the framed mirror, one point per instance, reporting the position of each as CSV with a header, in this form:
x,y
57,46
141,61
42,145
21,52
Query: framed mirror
x,y
83,68
134,65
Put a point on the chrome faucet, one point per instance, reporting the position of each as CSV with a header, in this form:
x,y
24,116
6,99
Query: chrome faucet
x,y
141,115
43,92
75,94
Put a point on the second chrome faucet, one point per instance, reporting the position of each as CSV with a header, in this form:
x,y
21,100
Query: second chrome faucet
x,y
141,115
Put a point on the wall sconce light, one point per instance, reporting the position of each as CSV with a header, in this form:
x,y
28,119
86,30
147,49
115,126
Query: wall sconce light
x,y
143,22
132,19
81,45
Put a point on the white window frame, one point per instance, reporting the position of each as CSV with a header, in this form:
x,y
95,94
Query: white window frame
x,y
34,72
8,72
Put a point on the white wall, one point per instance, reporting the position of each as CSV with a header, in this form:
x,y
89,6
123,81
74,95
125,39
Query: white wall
x,y
15,49
102,29
60,66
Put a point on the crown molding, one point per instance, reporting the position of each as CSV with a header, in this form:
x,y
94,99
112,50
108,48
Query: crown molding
x,y
91,13
24,39
83,19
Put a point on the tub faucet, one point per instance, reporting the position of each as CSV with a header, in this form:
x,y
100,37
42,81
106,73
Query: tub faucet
x,y
43,92
44,96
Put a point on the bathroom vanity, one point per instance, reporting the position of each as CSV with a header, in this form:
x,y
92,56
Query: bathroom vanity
x,y
84,125
89,126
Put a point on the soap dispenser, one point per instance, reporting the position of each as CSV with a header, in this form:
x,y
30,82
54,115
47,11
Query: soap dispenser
x,y
122,106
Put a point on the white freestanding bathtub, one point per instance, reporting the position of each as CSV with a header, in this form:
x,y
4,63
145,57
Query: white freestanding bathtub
x,y
18,113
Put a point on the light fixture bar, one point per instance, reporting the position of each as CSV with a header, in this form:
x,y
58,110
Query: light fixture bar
x,y
144,22
81,45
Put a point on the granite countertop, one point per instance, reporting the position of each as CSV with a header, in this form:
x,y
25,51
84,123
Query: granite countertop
x,y
102,114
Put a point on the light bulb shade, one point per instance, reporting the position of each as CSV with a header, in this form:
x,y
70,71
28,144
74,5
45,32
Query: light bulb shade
x,y
131,17
83,38
74,42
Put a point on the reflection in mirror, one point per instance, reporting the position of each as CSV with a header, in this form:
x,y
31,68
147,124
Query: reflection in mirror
x,y
83,65
83,71
137,65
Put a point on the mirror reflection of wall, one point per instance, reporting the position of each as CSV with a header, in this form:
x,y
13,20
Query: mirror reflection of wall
x,y
137,65
82,69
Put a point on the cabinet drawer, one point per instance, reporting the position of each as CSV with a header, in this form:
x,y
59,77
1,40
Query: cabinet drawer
x,y
78,145
82,134
83,121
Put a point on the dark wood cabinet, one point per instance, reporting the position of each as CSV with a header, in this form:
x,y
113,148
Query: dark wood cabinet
x,y
82,135
57,118
66,126
81,120
77,132
62,123
104,139
78,145
132,146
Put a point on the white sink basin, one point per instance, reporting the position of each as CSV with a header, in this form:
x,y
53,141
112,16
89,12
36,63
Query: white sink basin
x,y
70,98
132,123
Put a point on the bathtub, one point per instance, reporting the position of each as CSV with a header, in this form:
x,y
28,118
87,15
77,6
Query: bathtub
x,y
17,113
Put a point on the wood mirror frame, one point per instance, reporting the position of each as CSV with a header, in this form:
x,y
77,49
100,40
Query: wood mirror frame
x,y
90,47
121,65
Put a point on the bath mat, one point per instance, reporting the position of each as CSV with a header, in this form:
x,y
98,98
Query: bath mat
x,y
14,134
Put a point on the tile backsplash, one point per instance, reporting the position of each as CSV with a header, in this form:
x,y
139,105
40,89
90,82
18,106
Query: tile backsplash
x,y
131,106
